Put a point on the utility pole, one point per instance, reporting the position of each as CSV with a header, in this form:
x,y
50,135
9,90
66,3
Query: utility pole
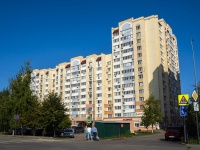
x,y
196,88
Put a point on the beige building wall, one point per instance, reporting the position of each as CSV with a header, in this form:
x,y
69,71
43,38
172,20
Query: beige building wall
x,y
144,61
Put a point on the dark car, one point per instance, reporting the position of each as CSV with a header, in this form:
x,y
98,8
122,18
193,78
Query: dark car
x,y
78,129
69,132
174,133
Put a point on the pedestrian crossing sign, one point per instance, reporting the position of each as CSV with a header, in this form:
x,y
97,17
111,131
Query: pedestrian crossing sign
x,y
183,100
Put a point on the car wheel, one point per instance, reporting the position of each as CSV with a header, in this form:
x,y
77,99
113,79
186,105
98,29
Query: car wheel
x,y
166,139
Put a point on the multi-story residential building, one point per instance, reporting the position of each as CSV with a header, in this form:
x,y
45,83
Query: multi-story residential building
x,y
113,87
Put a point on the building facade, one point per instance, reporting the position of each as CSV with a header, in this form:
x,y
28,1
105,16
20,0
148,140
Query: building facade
x,y
113,87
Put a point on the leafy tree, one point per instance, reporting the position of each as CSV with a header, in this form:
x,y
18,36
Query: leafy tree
x,y
191,117
22,100
53,112
4,110
66,123
152,112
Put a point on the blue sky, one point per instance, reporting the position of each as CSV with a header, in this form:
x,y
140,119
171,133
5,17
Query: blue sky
x,y
49,32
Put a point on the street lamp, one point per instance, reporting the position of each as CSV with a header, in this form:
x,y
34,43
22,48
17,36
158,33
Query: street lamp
x,y
196,89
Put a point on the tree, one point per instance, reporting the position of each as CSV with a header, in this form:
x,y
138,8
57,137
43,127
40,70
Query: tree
x,y
66,123
21,97
53,112
152,112
5,109
191,117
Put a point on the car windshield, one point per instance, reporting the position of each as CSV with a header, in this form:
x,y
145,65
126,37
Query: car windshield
x,y
68,130
174,128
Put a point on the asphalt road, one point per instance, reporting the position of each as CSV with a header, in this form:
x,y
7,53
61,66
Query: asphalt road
x,y
152,142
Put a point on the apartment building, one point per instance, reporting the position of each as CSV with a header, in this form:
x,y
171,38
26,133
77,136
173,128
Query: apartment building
x,y
113,87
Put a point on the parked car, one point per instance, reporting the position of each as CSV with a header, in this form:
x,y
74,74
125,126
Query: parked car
x,y
174,133
69,132
78,129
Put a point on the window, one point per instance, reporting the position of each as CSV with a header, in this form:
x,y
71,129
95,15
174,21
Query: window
x,y
117,100
139,47
141,91
99,68
109,95
138,40
99,88
109,102
117,114
138,34
139,61
140,69
99,95
117,107
117,93
138,27
141,98
116,40
139,54
83,65
140,83
136,124
109,115
140,76
141,106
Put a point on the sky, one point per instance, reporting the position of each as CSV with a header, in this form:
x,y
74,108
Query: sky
x,y
49,32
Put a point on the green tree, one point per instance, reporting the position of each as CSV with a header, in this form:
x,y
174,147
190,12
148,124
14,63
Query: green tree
x,y
191,118
4,110
66,123
53,112
22,99
152,112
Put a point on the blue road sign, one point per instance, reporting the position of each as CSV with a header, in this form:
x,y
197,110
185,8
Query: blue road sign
x,y
183,110
16,117
89,119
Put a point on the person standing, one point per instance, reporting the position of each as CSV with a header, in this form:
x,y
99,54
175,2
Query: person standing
x,y
89,133
94,133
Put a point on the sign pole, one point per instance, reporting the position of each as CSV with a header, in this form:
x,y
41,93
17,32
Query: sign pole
x,y
15,126
195,80
185,138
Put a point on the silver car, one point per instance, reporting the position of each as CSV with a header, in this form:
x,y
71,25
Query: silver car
x,y
69,132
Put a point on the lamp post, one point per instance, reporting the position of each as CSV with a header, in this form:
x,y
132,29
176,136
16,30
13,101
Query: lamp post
x,y
195,88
